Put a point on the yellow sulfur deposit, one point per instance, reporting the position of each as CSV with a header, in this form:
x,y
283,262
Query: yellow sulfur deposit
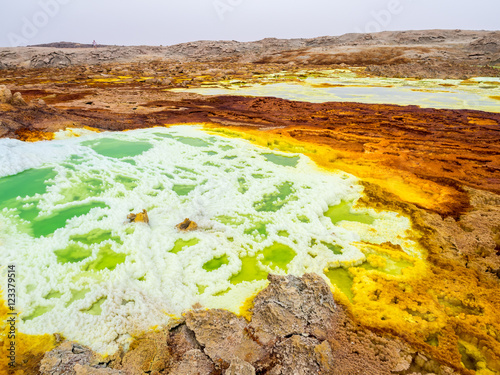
x,y
28,349
438,305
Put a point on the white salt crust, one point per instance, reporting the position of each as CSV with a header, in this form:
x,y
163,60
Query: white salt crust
x,y
152,284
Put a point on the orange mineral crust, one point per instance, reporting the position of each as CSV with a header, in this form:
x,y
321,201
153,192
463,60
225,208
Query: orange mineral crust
x,y
429,152
438,303
390,145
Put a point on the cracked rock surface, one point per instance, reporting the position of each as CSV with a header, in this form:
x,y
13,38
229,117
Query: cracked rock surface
x,y
296,328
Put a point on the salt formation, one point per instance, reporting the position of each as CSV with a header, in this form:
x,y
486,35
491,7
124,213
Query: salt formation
x,y
480,93
97,279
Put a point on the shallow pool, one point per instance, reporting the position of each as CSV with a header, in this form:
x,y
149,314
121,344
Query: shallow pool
x,y
85,271
481,93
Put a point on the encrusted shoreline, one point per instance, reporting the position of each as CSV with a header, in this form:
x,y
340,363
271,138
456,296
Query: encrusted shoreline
x,y
295,327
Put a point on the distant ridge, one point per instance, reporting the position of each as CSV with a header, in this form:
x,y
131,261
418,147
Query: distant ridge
x,y
67,45
377,51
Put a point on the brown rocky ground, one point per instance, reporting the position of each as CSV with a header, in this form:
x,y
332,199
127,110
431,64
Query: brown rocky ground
x,y
450,158
295,328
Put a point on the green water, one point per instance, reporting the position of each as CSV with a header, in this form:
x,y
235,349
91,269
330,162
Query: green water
x,y
116,148
283,233
278,255
341,278
201,288
180,244
26,183
343,212
39,311
87,188
164,135
72,254
106,259
28,213
243,187
182,190
53,294
183,169
392,267
216,263
195,142
303,219
250,271
77,295
43,226
336,249
95,309
129,161
129,182
229,220
286,161
259,228
274,201
95,236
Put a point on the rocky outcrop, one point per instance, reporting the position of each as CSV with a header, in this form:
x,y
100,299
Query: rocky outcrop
x,y
51,60
8,126
73,359
17,100
296,328
5,95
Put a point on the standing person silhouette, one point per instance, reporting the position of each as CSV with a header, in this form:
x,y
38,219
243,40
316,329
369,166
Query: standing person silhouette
x,y
94,44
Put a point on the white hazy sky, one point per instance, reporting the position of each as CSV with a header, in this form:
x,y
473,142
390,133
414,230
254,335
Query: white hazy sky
x,y
165,22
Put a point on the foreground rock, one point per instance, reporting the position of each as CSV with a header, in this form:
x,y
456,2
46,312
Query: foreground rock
x,y
296,328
